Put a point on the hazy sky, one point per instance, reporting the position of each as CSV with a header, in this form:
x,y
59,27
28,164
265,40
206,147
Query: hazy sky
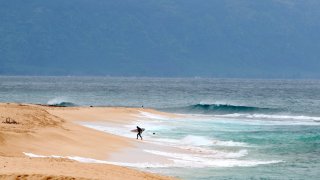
x,y
166,38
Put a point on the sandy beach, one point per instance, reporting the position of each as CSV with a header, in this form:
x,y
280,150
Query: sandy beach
x,y
47,131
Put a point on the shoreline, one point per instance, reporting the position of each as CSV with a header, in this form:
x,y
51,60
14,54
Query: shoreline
x,y
47,130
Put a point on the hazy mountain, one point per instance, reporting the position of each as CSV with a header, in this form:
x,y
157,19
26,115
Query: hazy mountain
x,y
209,38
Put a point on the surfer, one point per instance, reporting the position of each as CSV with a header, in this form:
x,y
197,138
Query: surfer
x,y
139,132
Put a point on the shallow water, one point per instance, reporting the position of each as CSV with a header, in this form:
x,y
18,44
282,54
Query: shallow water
x,y
228,148
233,129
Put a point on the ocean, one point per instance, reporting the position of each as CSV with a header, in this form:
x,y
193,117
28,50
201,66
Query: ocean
x,y
237,128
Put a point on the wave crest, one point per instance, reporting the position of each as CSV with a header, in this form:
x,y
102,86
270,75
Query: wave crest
x,y
61,102
227,109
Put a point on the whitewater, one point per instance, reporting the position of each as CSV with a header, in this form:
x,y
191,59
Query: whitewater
x,y
227,128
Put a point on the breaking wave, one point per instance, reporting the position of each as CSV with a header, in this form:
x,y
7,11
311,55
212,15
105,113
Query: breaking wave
x,y
61,102
224,109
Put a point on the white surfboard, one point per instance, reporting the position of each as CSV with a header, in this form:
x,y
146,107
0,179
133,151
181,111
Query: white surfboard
x,y
136,130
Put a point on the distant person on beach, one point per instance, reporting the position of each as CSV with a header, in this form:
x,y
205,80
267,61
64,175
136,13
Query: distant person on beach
x,y
139,132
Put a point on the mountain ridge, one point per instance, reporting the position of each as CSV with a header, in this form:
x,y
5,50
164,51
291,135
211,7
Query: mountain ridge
x,y
246,39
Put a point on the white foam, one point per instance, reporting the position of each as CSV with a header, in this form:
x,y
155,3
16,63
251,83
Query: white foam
x,y
153,125
267,116
192,140
203,152
230,143
180,160
148,115
200,154
199,161
223,163
58,100
34,155
196,140
76,158
204,141
117,130
124,130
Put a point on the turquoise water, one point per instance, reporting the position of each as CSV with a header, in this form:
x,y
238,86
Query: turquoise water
x,y
297,147
254,129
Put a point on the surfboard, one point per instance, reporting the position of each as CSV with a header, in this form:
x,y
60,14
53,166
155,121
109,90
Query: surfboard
x,y
136,130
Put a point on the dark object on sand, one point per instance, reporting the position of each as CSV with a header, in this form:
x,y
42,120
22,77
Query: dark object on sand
x,y
10,121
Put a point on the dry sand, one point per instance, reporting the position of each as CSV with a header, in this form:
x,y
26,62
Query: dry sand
x,y
52,131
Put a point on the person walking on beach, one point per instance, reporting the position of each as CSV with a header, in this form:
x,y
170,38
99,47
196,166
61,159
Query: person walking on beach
x,y
139,132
